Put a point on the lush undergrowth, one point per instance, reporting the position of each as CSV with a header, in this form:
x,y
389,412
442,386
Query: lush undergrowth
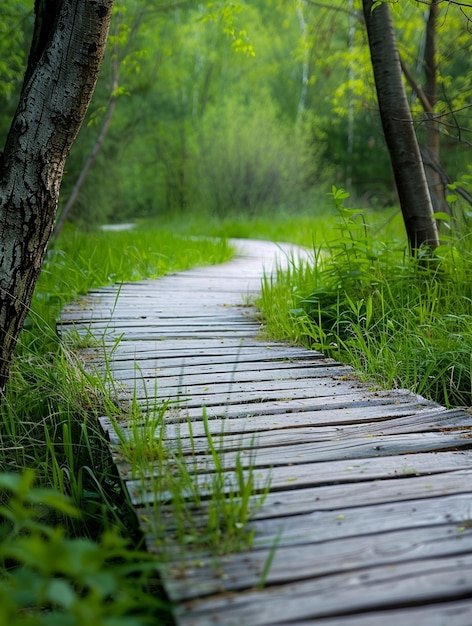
x,y
404,322
64,554
302,228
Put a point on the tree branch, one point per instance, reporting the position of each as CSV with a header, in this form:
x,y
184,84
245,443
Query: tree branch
x,y
425,103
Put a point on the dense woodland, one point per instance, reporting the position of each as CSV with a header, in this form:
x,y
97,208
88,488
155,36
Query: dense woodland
x,y
242,107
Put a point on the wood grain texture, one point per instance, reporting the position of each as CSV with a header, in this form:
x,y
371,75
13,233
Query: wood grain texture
x,y
370,501
378,588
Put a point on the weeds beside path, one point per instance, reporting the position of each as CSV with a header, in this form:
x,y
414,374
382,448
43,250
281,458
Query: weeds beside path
x,y
401,321
66,553
363,300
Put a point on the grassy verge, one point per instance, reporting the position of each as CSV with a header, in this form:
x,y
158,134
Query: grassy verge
x,y
403,322
65,558
363,300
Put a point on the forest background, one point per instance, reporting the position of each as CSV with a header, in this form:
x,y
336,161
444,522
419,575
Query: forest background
x,y
239,108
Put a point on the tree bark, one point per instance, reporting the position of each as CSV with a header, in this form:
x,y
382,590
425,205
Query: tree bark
x,y
66,54
408,170
436,187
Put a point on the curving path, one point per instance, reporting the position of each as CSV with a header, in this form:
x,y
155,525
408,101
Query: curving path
x,y
370,501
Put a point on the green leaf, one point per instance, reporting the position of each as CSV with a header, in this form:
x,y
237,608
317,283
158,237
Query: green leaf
x,y
442,216
60,593
17,483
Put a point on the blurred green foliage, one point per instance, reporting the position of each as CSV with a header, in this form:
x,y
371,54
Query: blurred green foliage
x,y
242,107
49,579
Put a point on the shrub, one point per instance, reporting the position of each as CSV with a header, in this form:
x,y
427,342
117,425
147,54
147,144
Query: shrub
x,y
49,579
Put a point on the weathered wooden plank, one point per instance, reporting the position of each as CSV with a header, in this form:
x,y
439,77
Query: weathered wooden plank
x,y
184,377
175,358
176,364
337,496
308,426
433,614
323,473
295,405
298,452
127,310
329,412
290,446
233,345
412,421
133,315
229,293
285,387
293,475
191,281
376,588
321,558
363,520
250,393
224,346
165,333
350,450
166,324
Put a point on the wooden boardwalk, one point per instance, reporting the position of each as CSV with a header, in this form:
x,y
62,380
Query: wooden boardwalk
x,y
370,503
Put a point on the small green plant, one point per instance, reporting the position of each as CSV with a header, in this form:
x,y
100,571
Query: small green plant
x,y
232,501
200,505
49,579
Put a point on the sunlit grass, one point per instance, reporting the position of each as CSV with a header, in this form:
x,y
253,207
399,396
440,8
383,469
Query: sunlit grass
x,y
404,322
319,225
49,425
78,262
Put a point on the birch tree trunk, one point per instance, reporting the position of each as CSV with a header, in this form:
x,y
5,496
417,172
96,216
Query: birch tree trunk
x,y
66,54
408,170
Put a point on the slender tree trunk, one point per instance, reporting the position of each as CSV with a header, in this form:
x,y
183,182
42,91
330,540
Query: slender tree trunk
x,y
66,54
408,170
431,124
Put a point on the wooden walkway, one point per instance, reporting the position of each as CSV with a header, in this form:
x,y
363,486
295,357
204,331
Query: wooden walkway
x,y
370,503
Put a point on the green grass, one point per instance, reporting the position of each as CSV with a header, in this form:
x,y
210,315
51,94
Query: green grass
x,y
210,501
302,228
49,431
402,322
